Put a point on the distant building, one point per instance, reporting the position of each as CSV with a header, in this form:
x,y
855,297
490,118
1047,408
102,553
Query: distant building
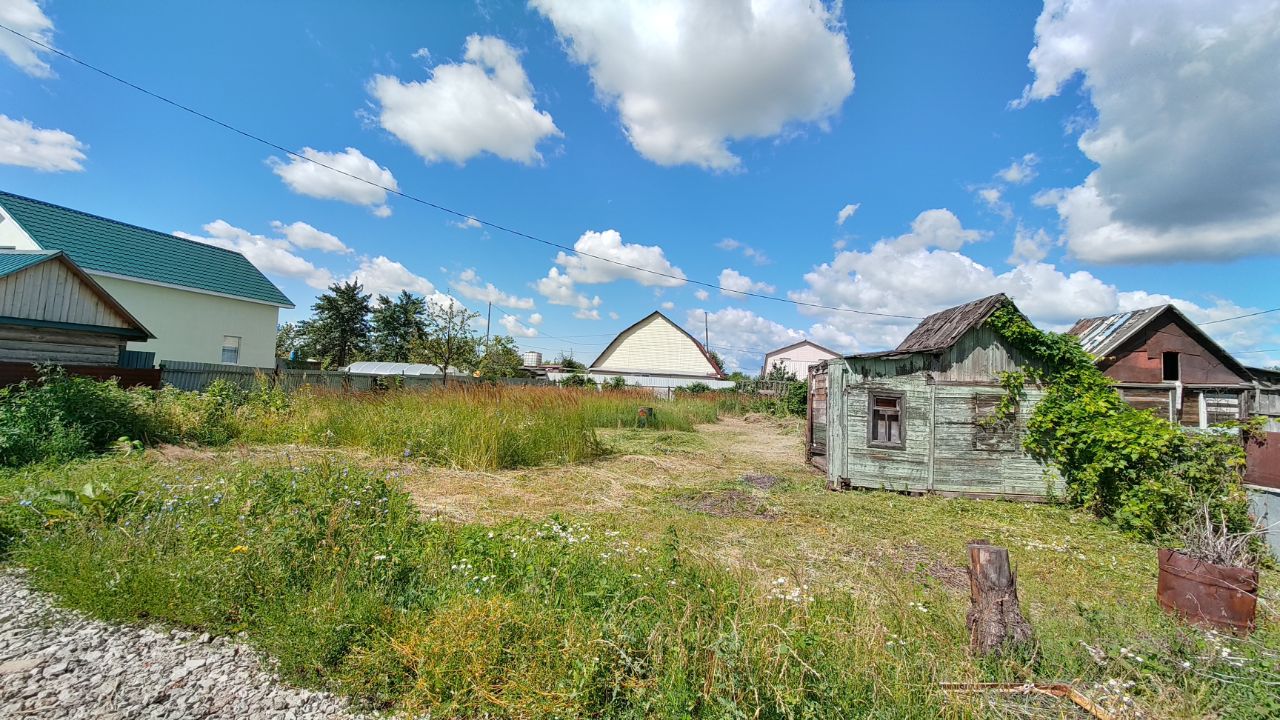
x,y
915,419
51,311
657,353
797,358
202,303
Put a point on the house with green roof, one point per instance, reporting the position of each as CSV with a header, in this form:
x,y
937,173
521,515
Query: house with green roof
x,y
201,303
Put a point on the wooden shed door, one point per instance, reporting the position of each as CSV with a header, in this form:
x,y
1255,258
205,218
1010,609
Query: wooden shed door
x,y
816,415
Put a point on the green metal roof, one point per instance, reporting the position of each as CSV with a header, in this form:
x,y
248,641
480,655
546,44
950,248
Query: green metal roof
x,y
98,244
11,261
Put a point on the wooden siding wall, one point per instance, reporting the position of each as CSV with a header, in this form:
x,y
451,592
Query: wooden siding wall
x,y
1158,400
659,348
50,291
20,344
1140,359
948,450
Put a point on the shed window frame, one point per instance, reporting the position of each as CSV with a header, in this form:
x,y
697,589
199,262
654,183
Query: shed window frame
x,y
901,442
233,347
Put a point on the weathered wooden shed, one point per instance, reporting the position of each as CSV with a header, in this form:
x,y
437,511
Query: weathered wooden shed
x,y
919,418
1162,361
51,311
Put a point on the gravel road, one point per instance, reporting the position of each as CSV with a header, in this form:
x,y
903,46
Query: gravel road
x,y
56,663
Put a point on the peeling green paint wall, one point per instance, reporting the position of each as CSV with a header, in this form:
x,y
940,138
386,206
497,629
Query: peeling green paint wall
x,y
947,448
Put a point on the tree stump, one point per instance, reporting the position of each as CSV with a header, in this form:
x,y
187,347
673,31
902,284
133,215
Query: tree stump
x,y
995,620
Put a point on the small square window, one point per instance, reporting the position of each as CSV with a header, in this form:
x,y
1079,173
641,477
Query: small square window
x,y
1171,369
231,349
884,421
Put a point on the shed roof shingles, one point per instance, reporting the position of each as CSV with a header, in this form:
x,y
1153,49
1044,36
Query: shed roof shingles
x,y
11,261
102,245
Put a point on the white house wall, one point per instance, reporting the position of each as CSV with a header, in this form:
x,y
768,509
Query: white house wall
x,y
190,326
13,236
797,360
656,347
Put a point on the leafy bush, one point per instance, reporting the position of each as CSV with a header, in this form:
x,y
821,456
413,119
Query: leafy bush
x,y
60,417
696,388
1119,462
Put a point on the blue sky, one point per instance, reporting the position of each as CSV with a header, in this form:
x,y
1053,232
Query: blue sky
x,y
1083,158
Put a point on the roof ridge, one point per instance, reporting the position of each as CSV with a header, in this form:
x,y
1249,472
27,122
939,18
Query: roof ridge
x,y
113,221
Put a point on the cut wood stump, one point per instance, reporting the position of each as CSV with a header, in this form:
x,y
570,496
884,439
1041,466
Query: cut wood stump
x,y
995,620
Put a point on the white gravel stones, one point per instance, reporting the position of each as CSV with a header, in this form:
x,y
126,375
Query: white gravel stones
x,y
57,663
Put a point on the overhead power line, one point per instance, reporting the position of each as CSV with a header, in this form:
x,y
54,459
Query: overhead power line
x,y
414,198
1241,317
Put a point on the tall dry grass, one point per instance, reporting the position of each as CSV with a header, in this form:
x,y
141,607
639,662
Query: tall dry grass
x,y
468,427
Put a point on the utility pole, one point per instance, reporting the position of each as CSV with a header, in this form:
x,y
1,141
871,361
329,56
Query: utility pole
x,y
488,321
706,334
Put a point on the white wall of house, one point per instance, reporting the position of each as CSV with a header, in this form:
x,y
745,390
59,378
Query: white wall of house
x,y
797,359
655,347
192,325
13,236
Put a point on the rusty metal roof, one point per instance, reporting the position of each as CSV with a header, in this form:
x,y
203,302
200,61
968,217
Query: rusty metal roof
x,y
943,329
1102,336
1099,336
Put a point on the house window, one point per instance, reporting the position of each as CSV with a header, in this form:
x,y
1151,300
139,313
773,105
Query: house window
x,y
884,416
1170,360
231,349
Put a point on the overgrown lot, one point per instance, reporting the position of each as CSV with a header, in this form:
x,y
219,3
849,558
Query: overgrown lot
x,y
680,571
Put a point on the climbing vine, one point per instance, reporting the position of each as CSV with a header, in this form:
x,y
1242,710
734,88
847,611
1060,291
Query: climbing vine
x,y
1118,462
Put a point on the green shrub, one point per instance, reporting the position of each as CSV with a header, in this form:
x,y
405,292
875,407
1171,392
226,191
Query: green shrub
x,y
60,417
1119,462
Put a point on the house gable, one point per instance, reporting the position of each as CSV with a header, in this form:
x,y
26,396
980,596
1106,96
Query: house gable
x,y
1130,348
656,346
48,290
1140,358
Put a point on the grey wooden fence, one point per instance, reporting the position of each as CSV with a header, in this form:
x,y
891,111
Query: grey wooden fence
x,y
198,376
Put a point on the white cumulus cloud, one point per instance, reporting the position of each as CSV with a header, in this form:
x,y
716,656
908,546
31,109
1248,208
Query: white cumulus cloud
x,y
615,260
734,283
26,145
26,17
273,256
515,328
381,275
468,284
847,212
1187,105
308,178
921,272
689,78
483,104
305,236
1020,171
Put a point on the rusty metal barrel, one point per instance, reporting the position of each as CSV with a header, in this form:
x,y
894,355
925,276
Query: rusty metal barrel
x,y
1208,595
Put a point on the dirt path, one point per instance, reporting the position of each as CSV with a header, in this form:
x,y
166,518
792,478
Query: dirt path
x,y
646,464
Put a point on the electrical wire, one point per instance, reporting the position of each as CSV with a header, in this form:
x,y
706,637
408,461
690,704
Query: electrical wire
x,y
414,198
1241,317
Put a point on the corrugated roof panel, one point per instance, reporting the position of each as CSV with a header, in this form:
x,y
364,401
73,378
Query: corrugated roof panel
x,y
99,244
11,261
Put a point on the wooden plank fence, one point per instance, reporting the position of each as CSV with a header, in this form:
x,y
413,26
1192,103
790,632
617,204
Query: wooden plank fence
x,y
14,373
198,376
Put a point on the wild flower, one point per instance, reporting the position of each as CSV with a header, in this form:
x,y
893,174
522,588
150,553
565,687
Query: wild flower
x,y
239,550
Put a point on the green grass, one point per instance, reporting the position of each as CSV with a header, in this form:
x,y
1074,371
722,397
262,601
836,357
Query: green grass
x,y
606,588
331,570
